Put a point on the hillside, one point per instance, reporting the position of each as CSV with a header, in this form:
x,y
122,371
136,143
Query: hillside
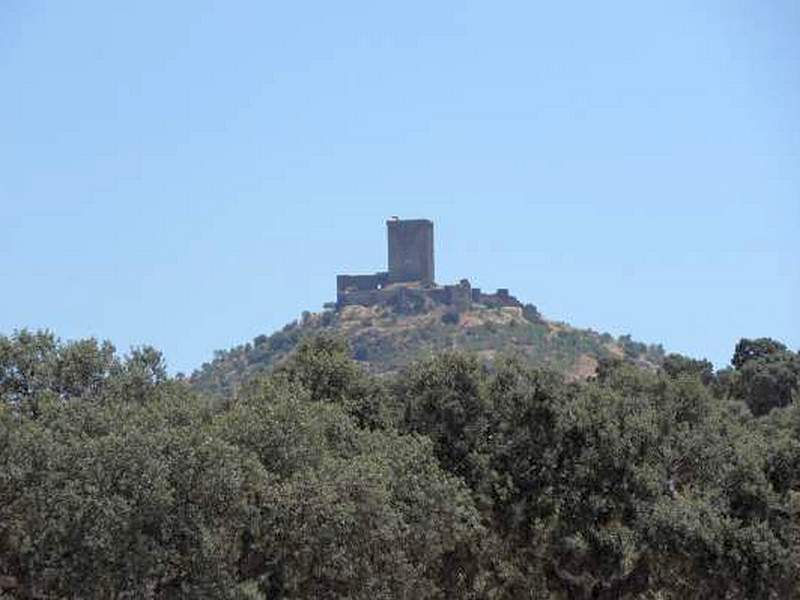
x,y
385,338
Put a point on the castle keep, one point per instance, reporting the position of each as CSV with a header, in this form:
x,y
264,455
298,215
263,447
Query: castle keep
x,y
410,250
410,282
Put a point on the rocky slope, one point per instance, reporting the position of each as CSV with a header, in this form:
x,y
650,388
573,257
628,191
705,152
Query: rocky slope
x,y
385,340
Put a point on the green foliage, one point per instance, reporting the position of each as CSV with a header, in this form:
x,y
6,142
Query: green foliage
x,y
36,368
444,400
100,499
637,350
140,488
451,479
767,374
676,365
350,512
758,349
322,366
388,339
634,483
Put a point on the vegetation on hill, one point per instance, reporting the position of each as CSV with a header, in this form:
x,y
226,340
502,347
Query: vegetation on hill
x,y
385,340
447,479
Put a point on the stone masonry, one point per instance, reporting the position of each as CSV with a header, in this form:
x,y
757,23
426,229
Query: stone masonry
x,y
410,278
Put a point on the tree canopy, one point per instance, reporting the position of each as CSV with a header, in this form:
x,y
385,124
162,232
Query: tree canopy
x,y
450,479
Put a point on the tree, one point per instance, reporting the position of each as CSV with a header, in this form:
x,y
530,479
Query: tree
x,y
676,365
444,398
747,350
348,512
107,498
452,480
767,374
323,366
37,367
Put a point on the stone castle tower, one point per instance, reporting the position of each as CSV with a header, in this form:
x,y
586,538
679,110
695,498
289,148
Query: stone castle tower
x,y
410,250
410,279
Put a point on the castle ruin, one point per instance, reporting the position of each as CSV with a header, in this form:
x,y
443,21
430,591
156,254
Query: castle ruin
x,y
410,279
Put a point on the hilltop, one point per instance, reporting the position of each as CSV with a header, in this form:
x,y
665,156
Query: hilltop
x,y
396,316
385,338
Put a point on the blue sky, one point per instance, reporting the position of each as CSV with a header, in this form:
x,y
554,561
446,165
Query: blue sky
x,y
192,174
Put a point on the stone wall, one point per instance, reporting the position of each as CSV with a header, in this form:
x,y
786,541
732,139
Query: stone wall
x,y
500,298
409,282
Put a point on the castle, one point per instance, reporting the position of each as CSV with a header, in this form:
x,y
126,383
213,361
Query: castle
x,y
409,283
